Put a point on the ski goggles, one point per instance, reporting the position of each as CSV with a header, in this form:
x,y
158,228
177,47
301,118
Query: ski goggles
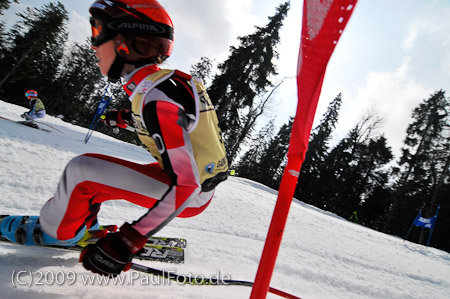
x,y
31,94
100,32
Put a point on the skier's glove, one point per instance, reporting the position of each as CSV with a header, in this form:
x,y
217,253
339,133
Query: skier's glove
x,y
112,254
118,118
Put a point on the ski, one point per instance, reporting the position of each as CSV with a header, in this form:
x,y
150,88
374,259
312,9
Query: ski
x,y
41,123
94,235
155,253
32,125
161,249
158,253
27,124
167,241
156,248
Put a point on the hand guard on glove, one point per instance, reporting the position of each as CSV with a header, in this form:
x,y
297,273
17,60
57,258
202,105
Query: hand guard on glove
x,y
118,118
112,254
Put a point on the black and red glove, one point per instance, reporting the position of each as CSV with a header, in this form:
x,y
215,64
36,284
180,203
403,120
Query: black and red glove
x,y
118,118
112,254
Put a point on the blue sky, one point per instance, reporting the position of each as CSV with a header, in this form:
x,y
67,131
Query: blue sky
x,y
392,55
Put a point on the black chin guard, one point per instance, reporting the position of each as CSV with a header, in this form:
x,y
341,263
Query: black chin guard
x,y
115,70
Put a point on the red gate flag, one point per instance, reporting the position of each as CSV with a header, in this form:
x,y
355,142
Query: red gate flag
x,y
323,24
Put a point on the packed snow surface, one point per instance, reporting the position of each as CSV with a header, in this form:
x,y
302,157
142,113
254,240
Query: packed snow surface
x,y
321,255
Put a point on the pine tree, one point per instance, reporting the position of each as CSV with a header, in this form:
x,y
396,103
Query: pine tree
x,y
377,195
248,166
77,82
423,165
243,77
271,162
202,69
440,237
4,41
318,149
34,54
263,162
353,168
4,5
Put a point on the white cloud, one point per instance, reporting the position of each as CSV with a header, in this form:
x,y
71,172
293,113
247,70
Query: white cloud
x,y
79,28
412,36
392,72
207,28
393,95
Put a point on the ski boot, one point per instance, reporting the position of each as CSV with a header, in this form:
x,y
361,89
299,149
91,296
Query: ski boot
x,y
26,230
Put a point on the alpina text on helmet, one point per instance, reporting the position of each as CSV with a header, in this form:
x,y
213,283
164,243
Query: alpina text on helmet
x,y
136,26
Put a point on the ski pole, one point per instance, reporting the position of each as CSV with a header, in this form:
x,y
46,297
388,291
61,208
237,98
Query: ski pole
x,y
101,108
94,120
201,280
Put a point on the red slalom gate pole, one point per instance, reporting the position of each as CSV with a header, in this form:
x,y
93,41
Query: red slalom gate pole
x,y
322,25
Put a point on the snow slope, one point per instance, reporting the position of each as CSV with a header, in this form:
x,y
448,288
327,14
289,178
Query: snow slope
x,y
321,256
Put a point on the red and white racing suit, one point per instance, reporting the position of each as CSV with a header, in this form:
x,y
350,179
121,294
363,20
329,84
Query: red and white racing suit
x,y
176,121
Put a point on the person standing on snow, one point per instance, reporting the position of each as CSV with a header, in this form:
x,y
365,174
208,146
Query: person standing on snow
x,y
174,118
37,108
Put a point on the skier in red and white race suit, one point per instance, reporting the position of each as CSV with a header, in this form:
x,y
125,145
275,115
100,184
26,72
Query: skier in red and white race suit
x,y
174,118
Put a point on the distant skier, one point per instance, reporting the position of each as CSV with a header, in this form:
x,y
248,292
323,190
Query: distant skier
x,y
354,217
174,118
37,108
